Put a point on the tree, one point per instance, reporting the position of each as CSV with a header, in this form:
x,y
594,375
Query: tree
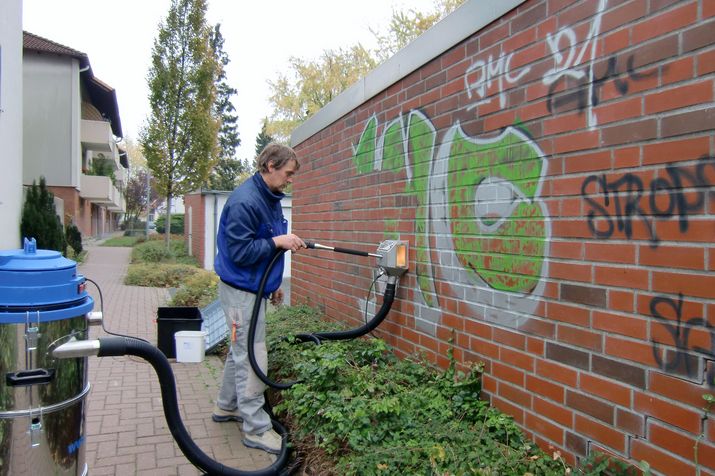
x,y
135,195
227,171
406,25
40,221
263,138
311,84
180,138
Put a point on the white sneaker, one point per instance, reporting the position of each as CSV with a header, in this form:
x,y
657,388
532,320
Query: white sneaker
x,y
269,441
220,415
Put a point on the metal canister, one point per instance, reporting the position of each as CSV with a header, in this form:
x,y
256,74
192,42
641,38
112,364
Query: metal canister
x,y
43,304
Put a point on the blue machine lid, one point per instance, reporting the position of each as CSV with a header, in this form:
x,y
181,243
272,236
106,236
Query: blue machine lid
x,y
33,280
33,260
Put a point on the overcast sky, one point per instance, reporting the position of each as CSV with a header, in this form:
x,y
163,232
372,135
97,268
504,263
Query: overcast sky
x,y
259,36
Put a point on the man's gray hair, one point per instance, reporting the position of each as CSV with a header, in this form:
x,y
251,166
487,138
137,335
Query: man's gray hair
x,y
279,154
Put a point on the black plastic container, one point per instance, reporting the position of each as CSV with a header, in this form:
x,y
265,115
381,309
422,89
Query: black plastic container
x,y
171,320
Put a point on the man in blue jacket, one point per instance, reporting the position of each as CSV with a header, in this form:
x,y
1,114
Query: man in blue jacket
x,y
250,230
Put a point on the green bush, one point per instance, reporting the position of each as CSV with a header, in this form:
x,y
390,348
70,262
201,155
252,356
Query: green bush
x,y
74,238
177,224
198,290
159,275
154,251
40,221
151,252
366,412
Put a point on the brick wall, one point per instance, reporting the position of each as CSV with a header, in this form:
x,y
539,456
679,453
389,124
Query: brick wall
x,y
554,176
196,203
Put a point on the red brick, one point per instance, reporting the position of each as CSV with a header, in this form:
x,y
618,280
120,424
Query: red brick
x,y
668,21
672,257
507,373
580,337
535,346
566,249
564,123
706,62
588,162
614,111
685,419
557,413
628,349
544,427
675,150
679,97
681,69
611,253
676,389
567,313
628,326
510,409
571,271
540,386
615,41
603,434
628,156
620,300
577,141
509,338
701,287
520,360
515,394
607,389
658,459
621,277
698,231
681,444
631,423
557,372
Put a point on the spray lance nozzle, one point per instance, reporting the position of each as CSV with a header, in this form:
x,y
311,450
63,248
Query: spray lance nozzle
x,y
392,255
318,246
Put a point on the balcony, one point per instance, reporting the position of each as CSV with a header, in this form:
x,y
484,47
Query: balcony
x,y
97,136
99,189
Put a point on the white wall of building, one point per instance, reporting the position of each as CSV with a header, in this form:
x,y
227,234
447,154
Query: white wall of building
x,y
51,122
10,122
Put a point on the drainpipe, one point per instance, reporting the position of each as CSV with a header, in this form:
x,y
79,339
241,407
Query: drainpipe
x,y
214,228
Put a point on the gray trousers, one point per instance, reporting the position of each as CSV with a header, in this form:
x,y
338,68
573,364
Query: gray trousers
x,y
241,388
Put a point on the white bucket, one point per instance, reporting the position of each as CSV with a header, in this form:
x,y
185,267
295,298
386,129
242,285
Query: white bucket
x,y
190,346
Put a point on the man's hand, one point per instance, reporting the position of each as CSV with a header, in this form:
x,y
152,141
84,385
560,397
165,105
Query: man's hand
x,y
289,242
277,297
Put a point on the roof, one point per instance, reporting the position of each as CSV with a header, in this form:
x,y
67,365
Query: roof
x,y
102,96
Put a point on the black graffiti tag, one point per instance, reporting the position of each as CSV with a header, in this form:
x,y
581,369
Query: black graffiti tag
x,y
580,94
677,356
616,203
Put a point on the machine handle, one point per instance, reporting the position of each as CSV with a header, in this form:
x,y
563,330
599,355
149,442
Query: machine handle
x,y
29,377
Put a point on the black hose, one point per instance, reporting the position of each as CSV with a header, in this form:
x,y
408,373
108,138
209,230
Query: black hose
x,y
118,346
387,301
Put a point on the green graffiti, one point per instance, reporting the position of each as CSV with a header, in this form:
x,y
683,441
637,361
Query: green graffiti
x,y
498,230
364,153
421,139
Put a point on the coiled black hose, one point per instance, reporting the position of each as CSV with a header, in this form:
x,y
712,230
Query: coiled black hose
x,y
387,301
118,346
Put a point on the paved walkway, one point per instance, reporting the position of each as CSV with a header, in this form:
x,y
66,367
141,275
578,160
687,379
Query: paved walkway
x,y
126,430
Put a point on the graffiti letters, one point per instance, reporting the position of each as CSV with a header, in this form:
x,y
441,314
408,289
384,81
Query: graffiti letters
x,y
680,355
616,203
479,216
482,74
